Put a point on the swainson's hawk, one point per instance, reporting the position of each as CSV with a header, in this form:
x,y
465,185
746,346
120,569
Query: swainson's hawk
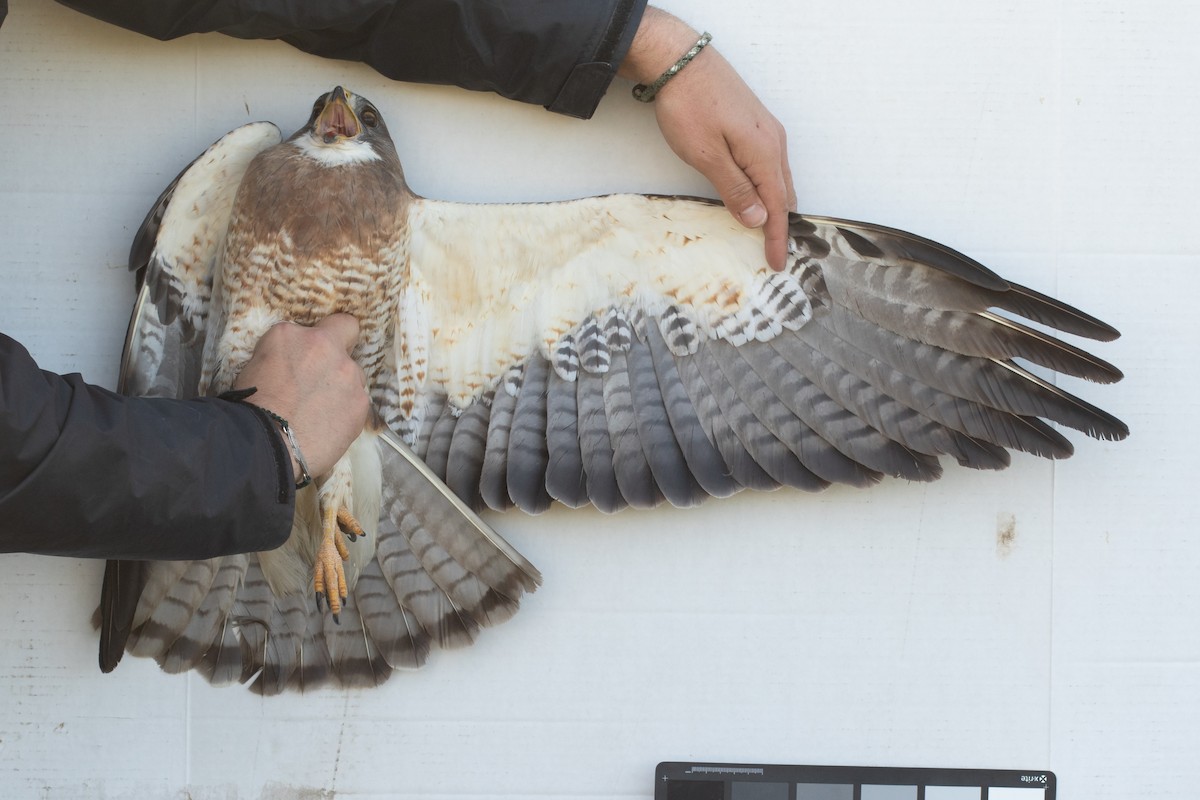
x,y
619,351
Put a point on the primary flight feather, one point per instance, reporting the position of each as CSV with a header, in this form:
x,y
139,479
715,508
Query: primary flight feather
x,y
619,351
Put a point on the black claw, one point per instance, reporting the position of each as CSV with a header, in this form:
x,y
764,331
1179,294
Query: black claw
x,y
320,597
349,534
336,621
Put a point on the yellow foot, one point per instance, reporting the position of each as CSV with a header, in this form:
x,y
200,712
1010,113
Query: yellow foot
x,y
329,576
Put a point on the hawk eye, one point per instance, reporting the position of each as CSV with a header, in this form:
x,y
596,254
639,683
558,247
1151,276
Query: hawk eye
x,y
369,117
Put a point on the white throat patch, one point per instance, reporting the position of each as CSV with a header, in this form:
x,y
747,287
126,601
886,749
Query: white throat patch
x,y
336,154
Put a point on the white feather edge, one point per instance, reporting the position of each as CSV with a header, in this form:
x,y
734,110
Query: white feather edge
x,y
499,281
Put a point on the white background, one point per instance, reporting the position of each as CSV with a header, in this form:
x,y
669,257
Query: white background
x,y
1055,141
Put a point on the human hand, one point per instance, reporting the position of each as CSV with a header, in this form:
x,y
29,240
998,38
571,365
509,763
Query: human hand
x,y
306,376
716,124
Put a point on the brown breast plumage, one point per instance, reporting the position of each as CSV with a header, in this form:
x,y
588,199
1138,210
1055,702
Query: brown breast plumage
x,y
307,240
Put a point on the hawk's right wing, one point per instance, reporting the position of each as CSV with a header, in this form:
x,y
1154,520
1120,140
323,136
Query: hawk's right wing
x,y
174,254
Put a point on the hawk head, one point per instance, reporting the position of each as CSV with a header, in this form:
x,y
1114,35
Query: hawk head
x,y
344,128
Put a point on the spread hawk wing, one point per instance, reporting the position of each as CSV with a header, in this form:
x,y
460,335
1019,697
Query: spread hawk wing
x,y
627,350
435,575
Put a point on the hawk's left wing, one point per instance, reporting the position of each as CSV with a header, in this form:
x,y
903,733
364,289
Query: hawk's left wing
x,y
628,349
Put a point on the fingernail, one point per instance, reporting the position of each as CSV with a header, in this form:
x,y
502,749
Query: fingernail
x,y
753,217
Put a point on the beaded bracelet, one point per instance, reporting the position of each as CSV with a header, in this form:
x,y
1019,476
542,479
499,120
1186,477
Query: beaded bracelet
x,y
305,478
645,93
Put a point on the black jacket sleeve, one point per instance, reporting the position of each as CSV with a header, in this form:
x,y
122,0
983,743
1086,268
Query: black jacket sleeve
x,y
561,55
87,472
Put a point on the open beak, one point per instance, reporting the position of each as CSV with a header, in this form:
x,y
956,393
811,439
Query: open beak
x,y
337,121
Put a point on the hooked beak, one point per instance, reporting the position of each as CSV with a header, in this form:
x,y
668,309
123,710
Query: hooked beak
x,y
337,121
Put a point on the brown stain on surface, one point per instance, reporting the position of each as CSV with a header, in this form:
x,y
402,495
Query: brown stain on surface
x,y
1006,533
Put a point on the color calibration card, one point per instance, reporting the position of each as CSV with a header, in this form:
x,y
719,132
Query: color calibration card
x,y
677,780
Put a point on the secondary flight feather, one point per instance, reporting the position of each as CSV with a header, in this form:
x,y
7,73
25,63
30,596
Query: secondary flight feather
x,y
620,351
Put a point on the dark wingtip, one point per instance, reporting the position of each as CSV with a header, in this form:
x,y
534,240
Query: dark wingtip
x,y
119,595
1115,432
108,662
1055,313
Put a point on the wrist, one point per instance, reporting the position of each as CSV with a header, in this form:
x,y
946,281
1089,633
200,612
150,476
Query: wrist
x,y
300,472
283,441
659,42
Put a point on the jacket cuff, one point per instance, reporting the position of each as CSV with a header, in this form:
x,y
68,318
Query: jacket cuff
x,y
94,474
585,87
